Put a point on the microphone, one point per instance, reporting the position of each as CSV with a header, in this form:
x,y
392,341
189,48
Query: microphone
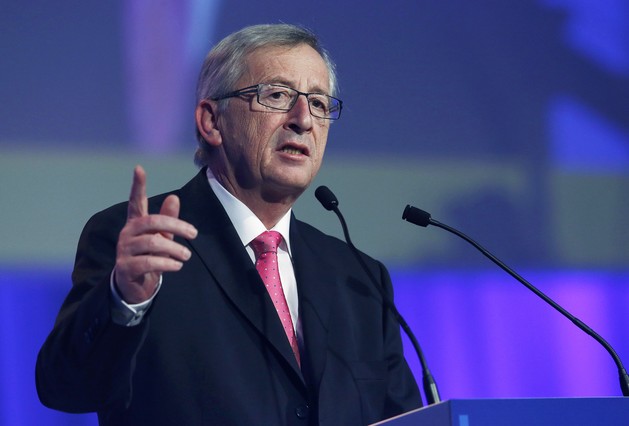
x,y
327,198
329,201
421,218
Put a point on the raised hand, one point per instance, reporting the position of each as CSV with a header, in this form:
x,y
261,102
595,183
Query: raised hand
x,y
145,246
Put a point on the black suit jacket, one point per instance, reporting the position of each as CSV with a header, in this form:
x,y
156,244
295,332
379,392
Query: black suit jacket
x,y
211,349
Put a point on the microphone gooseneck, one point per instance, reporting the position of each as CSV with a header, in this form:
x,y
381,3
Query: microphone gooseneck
x,y
422,218
329,201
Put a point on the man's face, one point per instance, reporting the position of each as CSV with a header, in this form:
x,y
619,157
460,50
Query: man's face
x,y
269,153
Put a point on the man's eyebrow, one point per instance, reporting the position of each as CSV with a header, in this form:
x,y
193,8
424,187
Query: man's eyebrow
x,y
284,82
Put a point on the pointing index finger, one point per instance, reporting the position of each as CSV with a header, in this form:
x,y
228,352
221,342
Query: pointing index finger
x,y
138,203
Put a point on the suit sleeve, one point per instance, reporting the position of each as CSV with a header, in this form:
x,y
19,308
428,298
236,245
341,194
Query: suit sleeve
x,y
86,363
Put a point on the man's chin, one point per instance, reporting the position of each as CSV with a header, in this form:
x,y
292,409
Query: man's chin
x,y
283,191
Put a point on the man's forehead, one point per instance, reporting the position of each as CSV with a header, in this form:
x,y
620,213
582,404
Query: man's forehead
x,y
287,65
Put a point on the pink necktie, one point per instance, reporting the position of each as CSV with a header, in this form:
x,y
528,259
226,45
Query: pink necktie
x,y
265,249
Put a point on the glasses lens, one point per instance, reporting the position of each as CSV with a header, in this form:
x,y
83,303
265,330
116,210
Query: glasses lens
x,y
320,105
335,113
283,98
334,108
278,97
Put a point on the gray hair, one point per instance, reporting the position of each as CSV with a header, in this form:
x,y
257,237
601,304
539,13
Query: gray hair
x,y
225,64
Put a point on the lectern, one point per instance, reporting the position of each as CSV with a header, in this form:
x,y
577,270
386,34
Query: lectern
x,y
519,412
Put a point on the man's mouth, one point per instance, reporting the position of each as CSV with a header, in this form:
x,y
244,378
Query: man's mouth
x,y
295,150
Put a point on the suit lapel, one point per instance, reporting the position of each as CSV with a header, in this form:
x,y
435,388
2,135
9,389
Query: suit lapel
x,y
227,261
316,283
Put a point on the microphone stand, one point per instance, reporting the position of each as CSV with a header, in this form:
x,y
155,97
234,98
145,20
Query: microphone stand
x,y
422,218
428,381
329,201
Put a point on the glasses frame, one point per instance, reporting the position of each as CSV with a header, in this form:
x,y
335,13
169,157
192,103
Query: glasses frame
x,y
256,88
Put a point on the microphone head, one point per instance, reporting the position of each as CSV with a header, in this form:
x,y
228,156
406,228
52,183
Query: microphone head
x,y
416,216
326,198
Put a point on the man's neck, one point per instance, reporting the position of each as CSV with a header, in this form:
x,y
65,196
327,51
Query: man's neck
x,y
269,212
269,207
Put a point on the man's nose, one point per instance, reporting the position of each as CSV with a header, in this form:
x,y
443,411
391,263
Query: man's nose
x,y
300,119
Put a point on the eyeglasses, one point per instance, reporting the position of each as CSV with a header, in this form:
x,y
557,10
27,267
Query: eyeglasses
x,y
283,98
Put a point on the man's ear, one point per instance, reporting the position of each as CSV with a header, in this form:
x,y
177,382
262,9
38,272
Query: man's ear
x,y
206,119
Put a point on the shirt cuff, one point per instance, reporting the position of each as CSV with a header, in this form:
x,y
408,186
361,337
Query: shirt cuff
x,y
123,313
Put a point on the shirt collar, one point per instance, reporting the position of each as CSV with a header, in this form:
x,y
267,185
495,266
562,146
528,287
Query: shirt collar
x,y
247,224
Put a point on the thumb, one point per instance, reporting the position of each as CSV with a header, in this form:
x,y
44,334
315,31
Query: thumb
x,y
170,207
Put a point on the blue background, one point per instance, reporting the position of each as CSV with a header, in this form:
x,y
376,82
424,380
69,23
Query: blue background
x,y
506,119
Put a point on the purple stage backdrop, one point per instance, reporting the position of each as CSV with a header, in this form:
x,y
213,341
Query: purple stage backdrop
x,y
484,335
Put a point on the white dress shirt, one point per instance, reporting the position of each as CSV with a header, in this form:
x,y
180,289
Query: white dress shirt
x,y
248,227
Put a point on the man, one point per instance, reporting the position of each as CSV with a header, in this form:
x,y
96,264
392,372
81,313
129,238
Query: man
x,y
169,321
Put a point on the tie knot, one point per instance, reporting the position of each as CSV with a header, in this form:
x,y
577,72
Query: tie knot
x,y
266,242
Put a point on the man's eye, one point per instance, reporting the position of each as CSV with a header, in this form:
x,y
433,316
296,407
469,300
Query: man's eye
x,y
278,95
319,104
